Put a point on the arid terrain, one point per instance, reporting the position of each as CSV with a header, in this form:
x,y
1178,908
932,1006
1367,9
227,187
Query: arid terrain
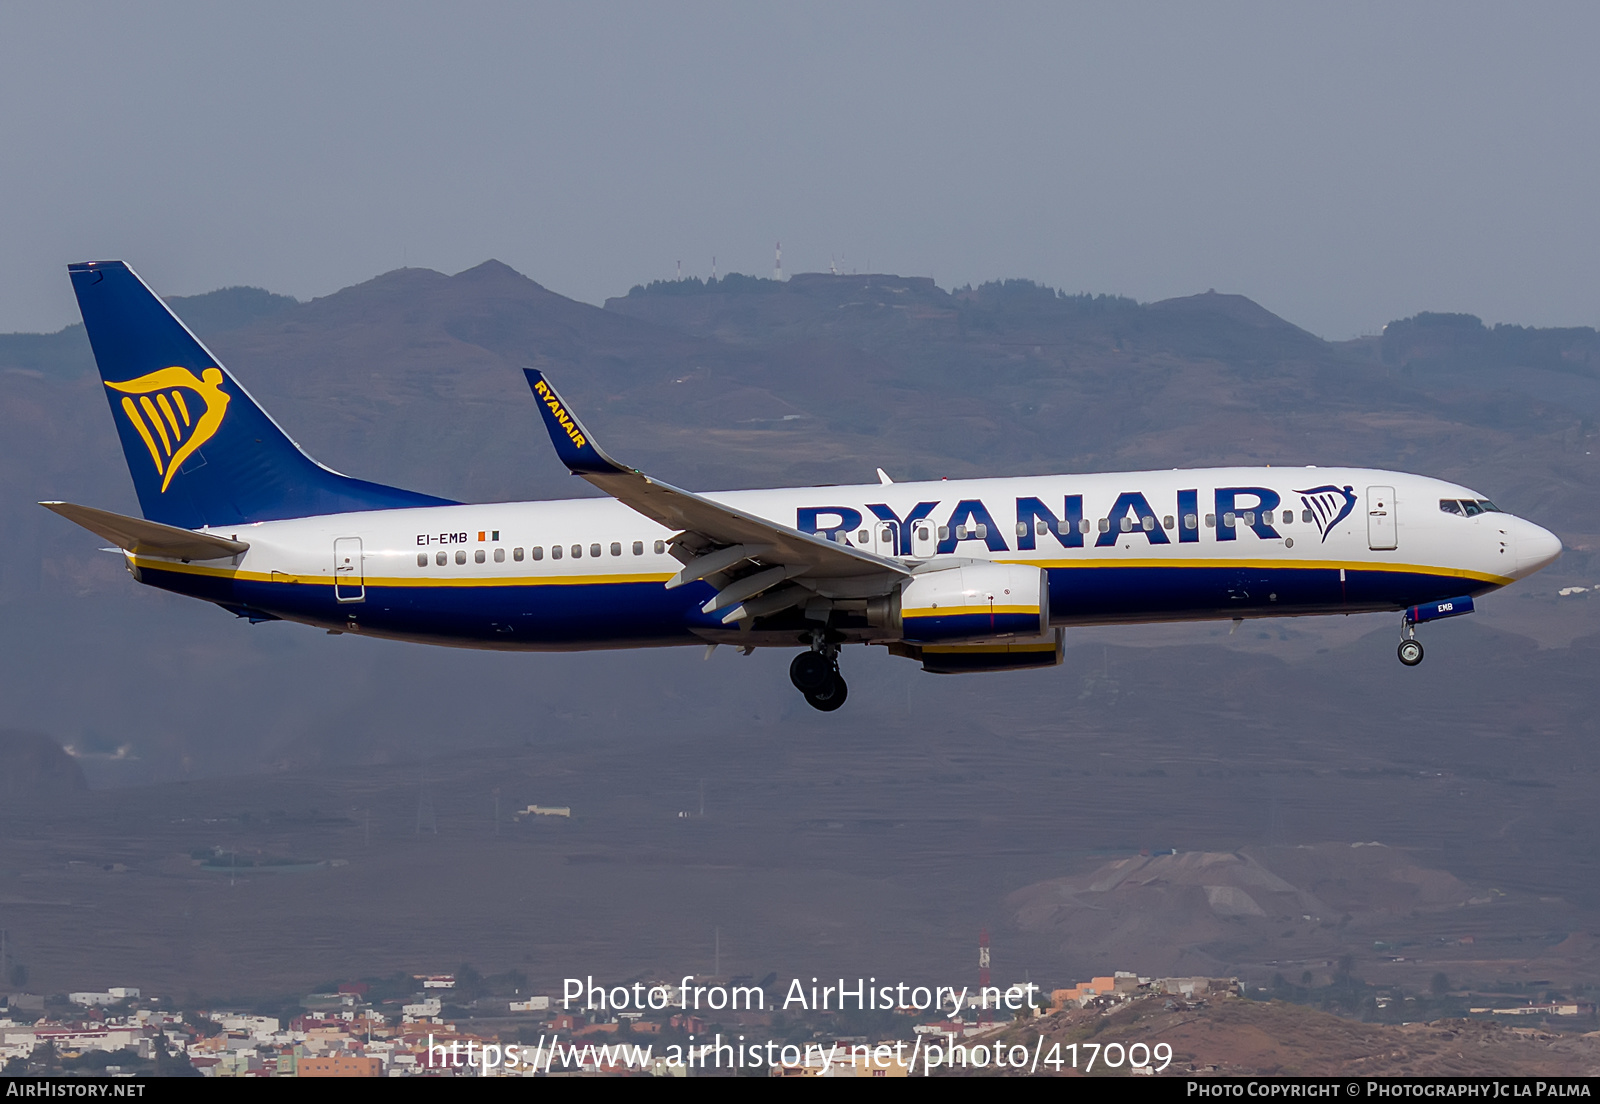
x,y
1229,1037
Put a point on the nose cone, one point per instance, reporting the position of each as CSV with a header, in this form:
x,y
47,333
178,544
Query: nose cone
x,y
1536,547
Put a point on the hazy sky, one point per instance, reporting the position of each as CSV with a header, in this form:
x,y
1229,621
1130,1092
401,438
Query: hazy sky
x,y
1344,165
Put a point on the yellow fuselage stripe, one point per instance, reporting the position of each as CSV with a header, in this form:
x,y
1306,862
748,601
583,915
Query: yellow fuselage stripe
x,y
442,580
962,611
969,648
386,581
1286,563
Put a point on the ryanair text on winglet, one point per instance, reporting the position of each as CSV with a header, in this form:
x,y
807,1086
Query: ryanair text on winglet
x,y
561,415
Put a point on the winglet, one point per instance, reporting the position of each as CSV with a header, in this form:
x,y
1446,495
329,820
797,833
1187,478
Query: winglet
x,y
573,444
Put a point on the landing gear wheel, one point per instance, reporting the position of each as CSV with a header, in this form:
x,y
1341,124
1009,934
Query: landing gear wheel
x,y
830,695
1410,652
810,672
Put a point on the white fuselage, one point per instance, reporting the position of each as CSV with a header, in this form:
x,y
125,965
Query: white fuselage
x,y
1183,544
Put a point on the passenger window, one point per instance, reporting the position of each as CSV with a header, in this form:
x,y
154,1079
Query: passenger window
x,y
924,533
1305,516
478,556
1166,522
1249,517
1286,517
516,554
863,536
961,532
1190,521
1228,519
1022,528
577,551
440,559
1450,506
1125,524
1063,527
422,559
1266,517
1105,525
638,548
1084,526
499,555
1211,521
1040,529
661,548
555,551
983,531
944,532
616,548
594,550
1147,523
461,557
537,551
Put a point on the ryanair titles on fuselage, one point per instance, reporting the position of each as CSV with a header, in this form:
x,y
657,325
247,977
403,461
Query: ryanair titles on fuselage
x,y
1227,509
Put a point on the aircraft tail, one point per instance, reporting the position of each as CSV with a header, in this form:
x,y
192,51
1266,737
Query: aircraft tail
x,y
201,452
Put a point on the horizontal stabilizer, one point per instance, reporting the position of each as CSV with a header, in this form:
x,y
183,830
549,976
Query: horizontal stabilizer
x,y
149,538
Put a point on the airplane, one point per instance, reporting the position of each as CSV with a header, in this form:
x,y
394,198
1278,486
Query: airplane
x,y
967,575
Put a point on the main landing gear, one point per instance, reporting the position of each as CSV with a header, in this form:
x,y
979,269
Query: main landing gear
x,y
1410,649
815,674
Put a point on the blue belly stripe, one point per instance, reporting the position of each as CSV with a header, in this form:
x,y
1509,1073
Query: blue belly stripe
x,y
626,613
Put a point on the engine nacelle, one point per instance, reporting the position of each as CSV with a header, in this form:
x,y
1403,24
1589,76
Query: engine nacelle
x,y
962,659
975,604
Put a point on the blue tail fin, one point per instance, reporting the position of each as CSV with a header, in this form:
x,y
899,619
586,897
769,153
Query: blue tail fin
x,y
200,450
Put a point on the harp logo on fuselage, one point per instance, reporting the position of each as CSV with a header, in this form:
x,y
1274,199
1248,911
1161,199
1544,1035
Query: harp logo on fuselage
x,y
1328,505
169,428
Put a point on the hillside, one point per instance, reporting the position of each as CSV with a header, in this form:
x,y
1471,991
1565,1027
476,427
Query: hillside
x,y
1230,1037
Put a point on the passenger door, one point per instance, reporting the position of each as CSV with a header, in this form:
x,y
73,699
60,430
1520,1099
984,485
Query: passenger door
x,y
1381,532
349,580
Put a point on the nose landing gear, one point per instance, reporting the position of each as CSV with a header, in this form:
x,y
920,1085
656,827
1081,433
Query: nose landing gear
x,y
815,674
1410,649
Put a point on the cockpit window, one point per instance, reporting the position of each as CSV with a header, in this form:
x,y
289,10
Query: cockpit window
x,y
1468,507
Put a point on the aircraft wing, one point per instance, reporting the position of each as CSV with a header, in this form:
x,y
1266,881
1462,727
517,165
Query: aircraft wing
x,y
715,540
148,537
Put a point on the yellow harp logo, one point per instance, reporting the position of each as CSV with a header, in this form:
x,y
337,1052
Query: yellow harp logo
x,y
163,414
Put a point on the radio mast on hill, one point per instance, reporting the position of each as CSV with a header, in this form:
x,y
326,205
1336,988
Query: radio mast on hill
x,y
983,969
777,261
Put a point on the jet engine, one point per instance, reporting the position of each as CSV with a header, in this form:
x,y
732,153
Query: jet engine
x,y
975,604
